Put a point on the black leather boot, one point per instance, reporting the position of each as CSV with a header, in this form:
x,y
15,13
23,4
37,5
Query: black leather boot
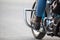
x,y
36,21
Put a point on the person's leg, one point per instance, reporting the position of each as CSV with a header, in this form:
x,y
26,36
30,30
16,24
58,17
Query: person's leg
x,y
40,8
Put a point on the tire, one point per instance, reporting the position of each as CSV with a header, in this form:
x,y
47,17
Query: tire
x,y
40,35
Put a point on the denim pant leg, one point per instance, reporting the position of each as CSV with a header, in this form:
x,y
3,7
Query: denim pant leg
x,y
41,4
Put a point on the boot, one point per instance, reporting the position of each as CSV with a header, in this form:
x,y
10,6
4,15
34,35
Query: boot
x,y
36,21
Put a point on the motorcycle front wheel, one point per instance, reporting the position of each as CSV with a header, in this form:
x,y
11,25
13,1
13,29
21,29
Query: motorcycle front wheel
x,y
36,34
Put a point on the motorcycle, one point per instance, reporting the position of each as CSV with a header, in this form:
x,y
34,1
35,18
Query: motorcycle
x,y
50,23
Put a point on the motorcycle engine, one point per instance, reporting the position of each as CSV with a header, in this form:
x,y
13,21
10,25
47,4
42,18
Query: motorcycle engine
x,y
52,22
49,24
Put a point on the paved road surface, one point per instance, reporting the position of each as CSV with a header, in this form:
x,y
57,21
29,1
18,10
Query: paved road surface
x,y
12,24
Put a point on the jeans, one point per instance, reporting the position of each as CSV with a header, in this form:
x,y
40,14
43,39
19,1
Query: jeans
x,y
40,9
